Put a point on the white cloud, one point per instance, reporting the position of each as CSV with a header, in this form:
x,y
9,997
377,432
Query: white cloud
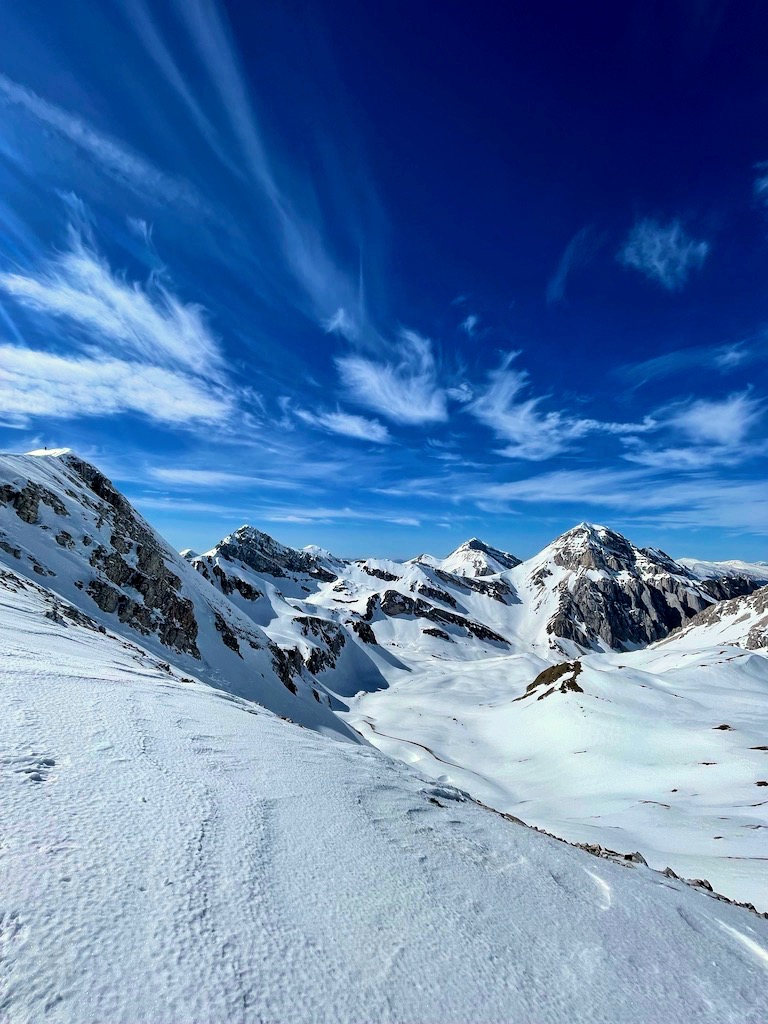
x,y
532,434
461,392
642,496
341,323
113,156
347,424
673,459
663,252
720,357
406,390
594,487
469,325
215,478
148,323
579,251
726,422
40,384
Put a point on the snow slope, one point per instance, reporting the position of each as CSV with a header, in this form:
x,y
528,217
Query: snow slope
x,y
173,853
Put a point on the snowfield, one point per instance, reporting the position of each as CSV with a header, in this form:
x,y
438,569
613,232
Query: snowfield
x,y
663,751
172,853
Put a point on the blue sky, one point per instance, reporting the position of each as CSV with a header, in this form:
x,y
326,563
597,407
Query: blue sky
x,y
383,277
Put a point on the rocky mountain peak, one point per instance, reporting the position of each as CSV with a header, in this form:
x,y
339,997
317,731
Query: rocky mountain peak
x,y
264,554
588,546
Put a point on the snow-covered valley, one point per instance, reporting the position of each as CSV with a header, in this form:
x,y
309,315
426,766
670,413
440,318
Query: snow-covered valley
x,y
197,825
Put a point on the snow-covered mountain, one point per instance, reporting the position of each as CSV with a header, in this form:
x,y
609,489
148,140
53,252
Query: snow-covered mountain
x,y
172,852
64,524
594,587
472,558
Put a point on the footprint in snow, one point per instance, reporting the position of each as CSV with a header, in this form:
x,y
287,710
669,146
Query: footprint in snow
x,y
33,767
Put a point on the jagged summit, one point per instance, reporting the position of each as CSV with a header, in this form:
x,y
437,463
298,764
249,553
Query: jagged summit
x,y
264,554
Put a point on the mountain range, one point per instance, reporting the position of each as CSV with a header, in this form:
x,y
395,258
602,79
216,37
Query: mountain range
x,y
600,692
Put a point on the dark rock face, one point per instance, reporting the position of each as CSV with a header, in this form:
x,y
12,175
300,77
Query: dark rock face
x,y
264,555
439,633
226,583
557,677
624,612
730,586
288,664
26,501
751,609
163,611
331,642
365,631
639,598
394,604
497,590
434,594
380,574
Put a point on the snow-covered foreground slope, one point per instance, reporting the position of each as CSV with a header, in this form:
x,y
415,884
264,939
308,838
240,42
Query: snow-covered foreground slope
x,y
172,853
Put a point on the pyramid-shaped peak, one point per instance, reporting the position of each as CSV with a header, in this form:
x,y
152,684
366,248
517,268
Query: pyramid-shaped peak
x,y
477,558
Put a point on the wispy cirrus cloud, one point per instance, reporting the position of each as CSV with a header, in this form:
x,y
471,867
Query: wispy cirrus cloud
x,y
131,347
186,477
346,424
665,253
691,458
405,389
470,324
579,251
642,495
531,433
723,422
700,434
325,284
112,155
40,384
147,322
715,357
761,181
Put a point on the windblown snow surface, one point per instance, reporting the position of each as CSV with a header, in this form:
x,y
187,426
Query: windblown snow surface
x,y
172,853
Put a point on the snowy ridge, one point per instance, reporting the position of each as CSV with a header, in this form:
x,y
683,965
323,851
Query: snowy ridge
x,y
742,621
63,523
245,869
